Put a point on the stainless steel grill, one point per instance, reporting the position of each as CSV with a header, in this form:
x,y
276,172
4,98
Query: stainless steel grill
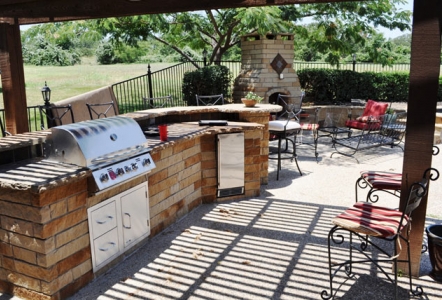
x,y
114,148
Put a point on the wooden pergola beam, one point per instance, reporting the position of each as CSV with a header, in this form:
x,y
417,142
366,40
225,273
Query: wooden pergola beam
x,y
41,11
422,103
13,79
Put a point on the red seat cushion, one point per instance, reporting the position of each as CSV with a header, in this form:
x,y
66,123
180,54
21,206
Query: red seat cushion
x,y
373,109
366,218
362,125
383,180
309,126
370,117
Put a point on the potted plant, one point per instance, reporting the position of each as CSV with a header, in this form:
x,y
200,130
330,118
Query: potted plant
x,y
251,99
390,115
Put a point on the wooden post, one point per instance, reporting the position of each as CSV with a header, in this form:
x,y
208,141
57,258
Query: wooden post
x,y
424,83
13,79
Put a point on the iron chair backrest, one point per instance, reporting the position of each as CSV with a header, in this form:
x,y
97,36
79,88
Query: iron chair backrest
x,y
2,128
100,110
158,102
417,191
291,106
209,100
54,115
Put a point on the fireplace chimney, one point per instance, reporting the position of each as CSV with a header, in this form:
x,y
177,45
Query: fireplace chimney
x,y
266,67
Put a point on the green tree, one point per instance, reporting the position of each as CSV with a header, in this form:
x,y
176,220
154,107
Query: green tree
x,y
338,29
217,31
66,42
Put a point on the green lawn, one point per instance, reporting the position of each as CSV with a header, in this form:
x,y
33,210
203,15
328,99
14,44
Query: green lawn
x,y
69,81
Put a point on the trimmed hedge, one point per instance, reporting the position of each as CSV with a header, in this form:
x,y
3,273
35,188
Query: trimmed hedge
x,y
211,80
340,86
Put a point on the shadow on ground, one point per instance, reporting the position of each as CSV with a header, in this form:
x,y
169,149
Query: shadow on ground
x,y
251,249
269,247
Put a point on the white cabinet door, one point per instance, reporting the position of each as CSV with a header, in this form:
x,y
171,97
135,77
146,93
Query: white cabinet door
x,y
105,248
117,223
103,217
134,215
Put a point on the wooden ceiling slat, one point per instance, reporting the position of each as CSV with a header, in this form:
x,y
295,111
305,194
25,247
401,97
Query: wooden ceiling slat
x,y
41,11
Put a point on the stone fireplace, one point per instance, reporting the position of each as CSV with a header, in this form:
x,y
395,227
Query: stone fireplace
x,y
267,67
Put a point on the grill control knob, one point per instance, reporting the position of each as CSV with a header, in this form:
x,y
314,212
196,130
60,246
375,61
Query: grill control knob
x,y
120,171
134,166
146,162
127,169
104,177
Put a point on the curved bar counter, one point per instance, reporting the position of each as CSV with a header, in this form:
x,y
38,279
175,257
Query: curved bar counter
x,y
46,248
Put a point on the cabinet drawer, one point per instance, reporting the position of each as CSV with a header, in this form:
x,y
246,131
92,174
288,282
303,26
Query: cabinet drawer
x,y
106,247
103,219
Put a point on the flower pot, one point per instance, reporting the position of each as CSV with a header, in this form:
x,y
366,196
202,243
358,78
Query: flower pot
x,y
248,102
434,234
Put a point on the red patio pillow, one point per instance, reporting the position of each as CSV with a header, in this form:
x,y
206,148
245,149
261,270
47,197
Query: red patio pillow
x,y
372,111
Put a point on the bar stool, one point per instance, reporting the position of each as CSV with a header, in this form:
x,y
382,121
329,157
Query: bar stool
x,y
286,128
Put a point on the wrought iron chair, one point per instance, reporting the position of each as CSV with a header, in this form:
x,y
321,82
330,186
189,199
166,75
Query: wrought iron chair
x,y
375,226
308,119
2,128
157,102
381,181
55,115
101,110
285,128
209,100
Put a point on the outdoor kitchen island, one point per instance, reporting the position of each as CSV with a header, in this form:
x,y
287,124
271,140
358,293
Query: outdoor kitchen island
x,y
45,238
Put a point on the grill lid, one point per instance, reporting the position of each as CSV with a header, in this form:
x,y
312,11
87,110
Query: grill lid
x,y
96,142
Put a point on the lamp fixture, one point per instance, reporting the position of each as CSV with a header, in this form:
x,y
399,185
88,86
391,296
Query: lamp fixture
x,y
46,93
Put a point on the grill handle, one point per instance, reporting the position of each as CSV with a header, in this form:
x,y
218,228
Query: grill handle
x,y
131,152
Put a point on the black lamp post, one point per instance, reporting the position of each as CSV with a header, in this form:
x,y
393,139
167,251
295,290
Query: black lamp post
x,y
354,61
46,93
205,57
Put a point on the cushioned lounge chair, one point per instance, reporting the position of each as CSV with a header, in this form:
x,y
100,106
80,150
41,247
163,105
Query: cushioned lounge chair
x,y
370,118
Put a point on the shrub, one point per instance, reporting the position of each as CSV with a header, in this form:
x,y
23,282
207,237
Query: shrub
x,y
340,86
105,54
211,80
44,53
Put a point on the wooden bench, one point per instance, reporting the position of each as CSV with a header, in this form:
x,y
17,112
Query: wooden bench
x,y
387,130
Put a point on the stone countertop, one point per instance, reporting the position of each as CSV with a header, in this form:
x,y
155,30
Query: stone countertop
x,y
187,110
38,175
188,130
22,140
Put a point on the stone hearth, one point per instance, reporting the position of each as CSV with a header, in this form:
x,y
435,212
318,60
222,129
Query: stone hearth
x,y
267,67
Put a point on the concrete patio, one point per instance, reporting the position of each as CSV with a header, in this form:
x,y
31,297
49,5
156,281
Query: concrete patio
x,y
270,247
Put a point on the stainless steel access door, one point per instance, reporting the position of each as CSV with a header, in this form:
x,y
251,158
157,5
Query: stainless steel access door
x,y
230,164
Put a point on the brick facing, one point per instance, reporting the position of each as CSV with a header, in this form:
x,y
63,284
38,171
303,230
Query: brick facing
x,y
60,224
63,252
17,225
30,243
24,255
71,233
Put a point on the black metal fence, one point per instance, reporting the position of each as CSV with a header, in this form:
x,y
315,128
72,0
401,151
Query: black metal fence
x,y
168,81
354,66
165,82
34,121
